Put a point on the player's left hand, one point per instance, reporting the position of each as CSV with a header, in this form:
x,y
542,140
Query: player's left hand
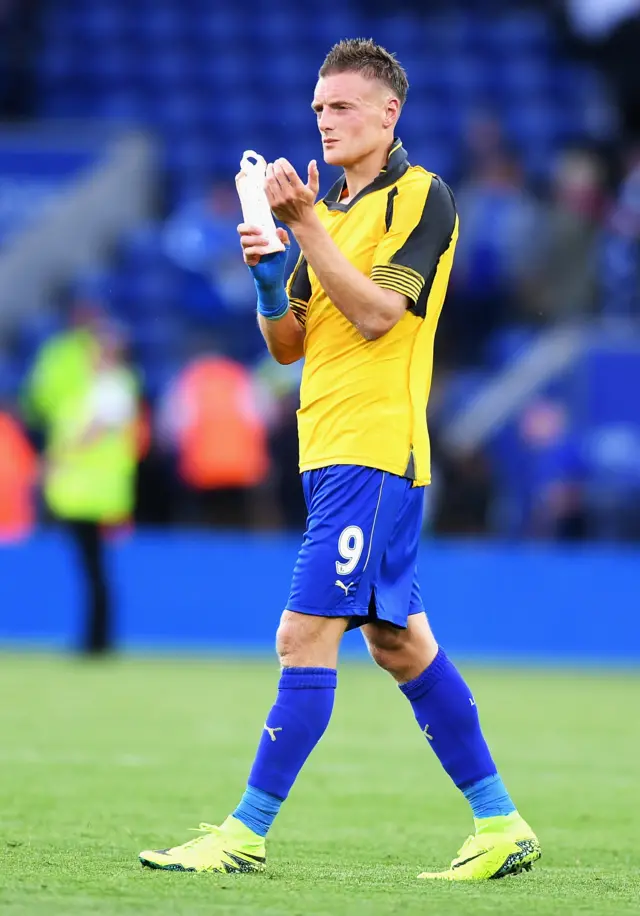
x,y
290,199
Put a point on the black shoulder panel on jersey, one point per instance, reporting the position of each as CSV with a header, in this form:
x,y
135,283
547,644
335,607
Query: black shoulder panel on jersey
x,y
300,284
388,216
429,240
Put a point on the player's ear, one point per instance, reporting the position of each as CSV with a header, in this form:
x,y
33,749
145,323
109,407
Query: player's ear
x,y
392,111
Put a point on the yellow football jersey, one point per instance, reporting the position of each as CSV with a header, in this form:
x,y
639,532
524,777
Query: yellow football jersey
x,y
365,402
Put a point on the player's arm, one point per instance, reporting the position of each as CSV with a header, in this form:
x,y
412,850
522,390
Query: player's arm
x,y
284,338
373,311
419,231
279,323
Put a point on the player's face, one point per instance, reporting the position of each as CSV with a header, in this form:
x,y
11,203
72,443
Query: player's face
x,y
354,116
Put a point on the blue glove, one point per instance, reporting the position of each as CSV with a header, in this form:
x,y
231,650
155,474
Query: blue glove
x,y
268,276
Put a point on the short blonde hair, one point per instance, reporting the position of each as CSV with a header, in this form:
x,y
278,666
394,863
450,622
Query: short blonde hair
x,y
363,55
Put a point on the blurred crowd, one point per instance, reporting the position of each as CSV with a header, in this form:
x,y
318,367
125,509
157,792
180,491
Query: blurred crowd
x,y
91,441
217,445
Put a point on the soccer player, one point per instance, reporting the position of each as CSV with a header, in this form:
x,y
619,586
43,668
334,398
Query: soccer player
x,y
362,307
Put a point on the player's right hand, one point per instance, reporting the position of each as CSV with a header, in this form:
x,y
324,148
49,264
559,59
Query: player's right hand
x,y
253,242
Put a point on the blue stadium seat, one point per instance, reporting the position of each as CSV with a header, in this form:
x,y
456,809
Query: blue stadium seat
x,y
126,106
165,26
59,25
524,78
146,289
226,67
330,28
69,103
449,33
400,32
464,79
178,111
142,246
191,157
274,32
56,65
223,27
536,121
173,69
519,33
290,68
111,66
99,22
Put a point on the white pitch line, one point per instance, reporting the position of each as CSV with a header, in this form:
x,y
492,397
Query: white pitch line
x,y
37,757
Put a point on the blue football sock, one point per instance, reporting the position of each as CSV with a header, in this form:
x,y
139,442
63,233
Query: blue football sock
x,y
295,724
489,798
447,715
257,810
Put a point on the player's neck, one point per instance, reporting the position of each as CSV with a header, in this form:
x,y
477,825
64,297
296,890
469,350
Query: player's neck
x,y
362,173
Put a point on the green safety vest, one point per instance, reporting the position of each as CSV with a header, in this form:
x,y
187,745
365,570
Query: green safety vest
x,y
93,481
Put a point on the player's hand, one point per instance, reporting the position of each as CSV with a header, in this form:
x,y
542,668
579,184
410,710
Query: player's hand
x,y
290,199
253,242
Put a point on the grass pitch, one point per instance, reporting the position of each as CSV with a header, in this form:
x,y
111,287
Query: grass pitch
x,y
100,760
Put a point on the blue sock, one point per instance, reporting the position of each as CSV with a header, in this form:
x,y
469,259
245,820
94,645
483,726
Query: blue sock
x,y
257,810
489,798
447,715
297,721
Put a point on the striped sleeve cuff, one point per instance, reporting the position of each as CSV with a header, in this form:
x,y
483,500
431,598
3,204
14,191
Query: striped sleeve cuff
x,y
401,279
299,309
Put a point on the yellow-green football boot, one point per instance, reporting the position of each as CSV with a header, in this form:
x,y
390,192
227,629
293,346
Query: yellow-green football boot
x,y
231,847
501,846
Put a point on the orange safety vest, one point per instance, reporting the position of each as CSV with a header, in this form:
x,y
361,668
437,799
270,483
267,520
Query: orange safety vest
x,y
223,440
18,474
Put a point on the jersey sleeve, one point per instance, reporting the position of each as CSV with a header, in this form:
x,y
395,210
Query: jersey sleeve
x,y
420,227
299,290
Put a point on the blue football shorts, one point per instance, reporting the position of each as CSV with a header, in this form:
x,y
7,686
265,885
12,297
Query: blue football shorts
x,y
359,551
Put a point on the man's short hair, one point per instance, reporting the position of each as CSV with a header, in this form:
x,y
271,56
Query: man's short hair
x,y
363,55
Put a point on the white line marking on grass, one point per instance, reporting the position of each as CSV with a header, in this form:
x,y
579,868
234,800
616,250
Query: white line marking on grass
x,y
26,755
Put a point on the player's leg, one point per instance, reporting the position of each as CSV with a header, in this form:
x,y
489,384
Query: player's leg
x,y
308,650
338,541
447,715
91,555
443,704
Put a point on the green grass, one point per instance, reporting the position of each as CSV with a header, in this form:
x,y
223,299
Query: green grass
x,y
100,760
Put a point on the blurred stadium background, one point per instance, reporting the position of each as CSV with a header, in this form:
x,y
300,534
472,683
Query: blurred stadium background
x,y
148,453
123,125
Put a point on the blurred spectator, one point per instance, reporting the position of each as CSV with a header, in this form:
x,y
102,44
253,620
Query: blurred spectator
x,y
612,458
553,473
201,237
498,249
18,476
463,492
565,284
608,31
209,419
621,247
83,395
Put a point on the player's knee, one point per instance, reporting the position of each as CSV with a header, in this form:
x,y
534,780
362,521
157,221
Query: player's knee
x,y
387,649
304,640
289,640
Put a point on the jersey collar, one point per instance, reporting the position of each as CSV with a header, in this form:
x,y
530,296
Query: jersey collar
x,y
397,165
